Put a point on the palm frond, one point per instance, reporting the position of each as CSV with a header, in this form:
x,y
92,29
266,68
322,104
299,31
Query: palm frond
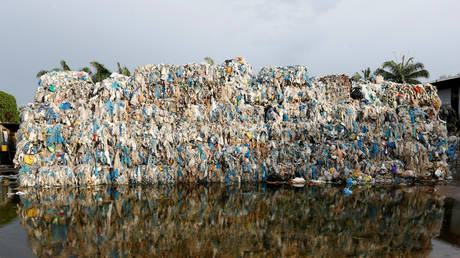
x,y
42,72
392,66
417,66
101,72
356,77
126,71
413,81
64,66
367,73
123,70
209,60
404,72
386,75
419,74
87,70
120,69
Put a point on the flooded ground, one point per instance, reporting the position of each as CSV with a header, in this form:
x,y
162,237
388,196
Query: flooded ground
x,y
231,220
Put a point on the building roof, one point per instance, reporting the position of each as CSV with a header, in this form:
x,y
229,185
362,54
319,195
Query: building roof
x,y
447,82
448,78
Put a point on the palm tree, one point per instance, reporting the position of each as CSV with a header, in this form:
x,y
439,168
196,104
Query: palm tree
x,y
64,67
100,73
404,72
209,60
356,77
123,70
87,70
367,74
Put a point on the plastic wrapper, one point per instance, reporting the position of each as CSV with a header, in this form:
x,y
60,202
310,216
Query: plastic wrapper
x,y
222,123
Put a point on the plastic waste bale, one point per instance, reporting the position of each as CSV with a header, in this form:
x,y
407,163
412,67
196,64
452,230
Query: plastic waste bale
x,y
222,123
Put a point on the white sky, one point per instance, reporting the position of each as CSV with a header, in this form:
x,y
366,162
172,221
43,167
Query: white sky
x,y
329,36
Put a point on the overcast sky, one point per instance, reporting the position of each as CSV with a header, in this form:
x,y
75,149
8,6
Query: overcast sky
x,y
328,36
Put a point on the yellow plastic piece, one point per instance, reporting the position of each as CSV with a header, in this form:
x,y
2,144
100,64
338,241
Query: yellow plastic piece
x,y
32,212
29,159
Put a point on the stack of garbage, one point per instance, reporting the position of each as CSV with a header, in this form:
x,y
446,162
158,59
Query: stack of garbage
x,y
222,123
221,220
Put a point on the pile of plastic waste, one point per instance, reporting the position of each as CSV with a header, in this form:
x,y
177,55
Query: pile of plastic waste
x,y
222,123
219,220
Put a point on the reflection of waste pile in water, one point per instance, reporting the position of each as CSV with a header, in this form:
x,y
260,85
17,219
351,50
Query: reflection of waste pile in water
x,y
221,123
217,220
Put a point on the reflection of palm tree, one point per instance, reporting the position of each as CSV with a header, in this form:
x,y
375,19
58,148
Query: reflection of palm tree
x,y
8,210
404,72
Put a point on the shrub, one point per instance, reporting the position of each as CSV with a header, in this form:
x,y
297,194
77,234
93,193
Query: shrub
x,y
8,108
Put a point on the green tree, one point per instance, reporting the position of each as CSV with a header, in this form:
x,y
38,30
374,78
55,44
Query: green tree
x,y
123,70
101,72
64,67
209,60
367,74
356,77
8,108
87,70
407,71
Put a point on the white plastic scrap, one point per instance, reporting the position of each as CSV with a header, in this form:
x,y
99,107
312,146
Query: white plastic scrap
x,y
221,123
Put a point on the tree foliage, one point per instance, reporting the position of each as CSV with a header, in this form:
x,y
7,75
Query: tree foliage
x,y
100,71
406,71
64,67
123,70
87,70
209,60
8,108
366,75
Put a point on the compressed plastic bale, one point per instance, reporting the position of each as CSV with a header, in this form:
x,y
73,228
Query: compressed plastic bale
x,y
221,123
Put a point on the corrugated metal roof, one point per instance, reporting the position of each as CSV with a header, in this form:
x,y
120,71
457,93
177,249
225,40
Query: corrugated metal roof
x,y
446,79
